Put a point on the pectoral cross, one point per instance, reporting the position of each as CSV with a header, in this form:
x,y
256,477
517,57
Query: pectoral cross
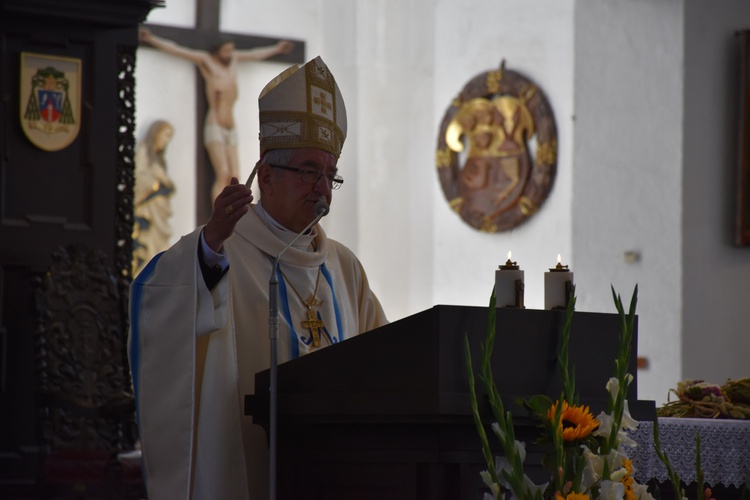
x,y
315,325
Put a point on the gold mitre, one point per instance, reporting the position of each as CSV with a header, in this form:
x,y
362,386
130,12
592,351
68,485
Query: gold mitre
x,y
302,107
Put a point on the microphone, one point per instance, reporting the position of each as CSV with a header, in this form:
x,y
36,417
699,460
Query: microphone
x,y
321,210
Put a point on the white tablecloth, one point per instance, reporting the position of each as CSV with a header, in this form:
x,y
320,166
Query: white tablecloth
x,y
725,450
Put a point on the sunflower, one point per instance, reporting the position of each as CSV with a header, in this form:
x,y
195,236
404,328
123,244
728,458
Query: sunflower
x,y
571,496
576,422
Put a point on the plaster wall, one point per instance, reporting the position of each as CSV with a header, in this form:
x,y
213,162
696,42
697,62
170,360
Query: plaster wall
x,y
627,194
715,314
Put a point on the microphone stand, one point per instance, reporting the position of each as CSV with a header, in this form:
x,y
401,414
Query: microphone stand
x,y
321,208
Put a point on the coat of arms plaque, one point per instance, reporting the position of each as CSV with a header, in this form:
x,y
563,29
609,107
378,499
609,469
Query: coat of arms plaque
x,y
50,100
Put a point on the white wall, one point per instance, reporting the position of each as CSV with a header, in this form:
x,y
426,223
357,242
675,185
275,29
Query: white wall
x,y
655,172
715,315
627,193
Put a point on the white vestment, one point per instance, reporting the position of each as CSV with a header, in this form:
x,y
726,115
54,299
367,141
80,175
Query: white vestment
x,y
196,440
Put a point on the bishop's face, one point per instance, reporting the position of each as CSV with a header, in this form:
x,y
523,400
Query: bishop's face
x,y
288,197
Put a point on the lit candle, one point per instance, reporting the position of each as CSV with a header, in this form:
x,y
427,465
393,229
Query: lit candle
x,y
558,286
509,285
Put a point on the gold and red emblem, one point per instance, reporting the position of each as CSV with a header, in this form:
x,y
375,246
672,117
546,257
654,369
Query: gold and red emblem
x,y
497,150
50,100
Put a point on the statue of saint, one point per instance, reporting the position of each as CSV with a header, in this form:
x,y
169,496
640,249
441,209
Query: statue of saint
x,y
219,71
151,196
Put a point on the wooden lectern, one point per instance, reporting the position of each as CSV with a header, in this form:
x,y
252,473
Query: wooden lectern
x,y
386,415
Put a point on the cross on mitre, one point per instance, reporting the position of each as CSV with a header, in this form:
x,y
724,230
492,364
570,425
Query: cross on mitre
x,y
322,101
322,72
325,134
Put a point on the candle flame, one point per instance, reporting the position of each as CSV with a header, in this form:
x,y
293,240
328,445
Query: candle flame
x,y
559,259
508,254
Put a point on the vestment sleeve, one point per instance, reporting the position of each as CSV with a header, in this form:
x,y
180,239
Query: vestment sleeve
x,y
371,314
170,306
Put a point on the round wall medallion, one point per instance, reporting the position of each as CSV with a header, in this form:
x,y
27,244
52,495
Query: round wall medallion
x,y
497,151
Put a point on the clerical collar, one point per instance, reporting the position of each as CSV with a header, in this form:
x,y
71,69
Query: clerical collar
x,y
283,233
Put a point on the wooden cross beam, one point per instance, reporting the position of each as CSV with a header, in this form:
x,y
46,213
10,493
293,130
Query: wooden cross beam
x,y
205,36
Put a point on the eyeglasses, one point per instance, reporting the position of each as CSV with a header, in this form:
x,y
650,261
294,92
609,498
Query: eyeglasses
x,y
313,176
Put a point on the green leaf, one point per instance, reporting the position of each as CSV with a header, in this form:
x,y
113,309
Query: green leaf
x,y
486,451
538,404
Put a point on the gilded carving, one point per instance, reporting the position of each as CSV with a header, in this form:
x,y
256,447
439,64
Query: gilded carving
x,y
546,153
443,158
489,135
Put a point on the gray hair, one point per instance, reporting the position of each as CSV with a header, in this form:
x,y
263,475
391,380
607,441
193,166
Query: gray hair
x,y
278,156
273,157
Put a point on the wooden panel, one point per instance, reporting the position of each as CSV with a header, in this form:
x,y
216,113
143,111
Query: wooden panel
x,y
81,194
42,188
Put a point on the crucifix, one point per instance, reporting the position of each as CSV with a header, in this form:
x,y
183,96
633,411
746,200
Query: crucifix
x,y
215,137
315,325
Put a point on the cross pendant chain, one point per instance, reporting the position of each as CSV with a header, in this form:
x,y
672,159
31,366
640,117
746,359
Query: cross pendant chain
x,y
312,300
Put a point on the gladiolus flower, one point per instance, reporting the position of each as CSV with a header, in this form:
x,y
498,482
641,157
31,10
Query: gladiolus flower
x,y
612,490
641,492
606,422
